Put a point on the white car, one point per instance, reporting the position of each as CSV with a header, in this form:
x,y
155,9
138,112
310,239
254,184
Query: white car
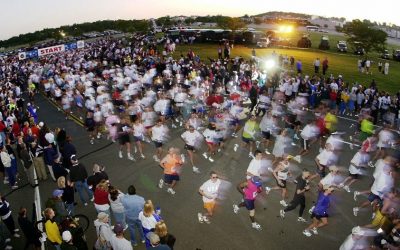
x,y
263,43
342,46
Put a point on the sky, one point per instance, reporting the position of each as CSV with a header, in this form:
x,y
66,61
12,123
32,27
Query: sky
x,y
23,16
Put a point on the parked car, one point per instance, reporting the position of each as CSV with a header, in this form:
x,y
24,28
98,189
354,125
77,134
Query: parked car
x,y
341,46
358,49
324,44
304,42
263,42
396,55
385,54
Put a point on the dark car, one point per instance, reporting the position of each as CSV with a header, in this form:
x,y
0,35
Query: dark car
x,y
324,44
304,42
385,54
396,55
358,49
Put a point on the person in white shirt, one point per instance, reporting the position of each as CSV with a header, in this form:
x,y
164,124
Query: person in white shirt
x,y
333,178
139,132
268,125
209,192
323,160
210,135
356,168
309,135
356,240
192,139
255,166
159,134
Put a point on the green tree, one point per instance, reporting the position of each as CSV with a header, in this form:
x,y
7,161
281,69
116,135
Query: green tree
x,y
232,23
364,33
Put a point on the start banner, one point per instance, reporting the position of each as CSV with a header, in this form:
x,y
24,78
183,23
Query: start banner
x,y
51,50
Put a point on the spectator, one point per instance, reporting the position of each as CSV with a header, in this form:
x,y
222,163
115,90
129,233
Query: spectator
x,y
98,175
68,194
103,231
31,234
133,204
165,237
52,231
78,176
101,202
117,208
67,243
118,240
155,242
148,218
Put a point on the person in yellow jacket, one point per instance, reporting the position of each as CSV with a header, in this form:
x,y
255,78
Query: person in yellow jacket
x,y
250,129
52,230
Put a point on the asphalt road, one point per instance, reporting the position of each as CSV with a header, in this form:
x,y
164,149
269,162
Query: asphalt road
x,y
227,230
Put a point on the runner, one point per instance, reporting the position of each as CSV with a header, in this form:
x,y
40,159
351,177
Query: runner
x,y
139,132
209,192
249,189
192,139
124,131
158,135
171,164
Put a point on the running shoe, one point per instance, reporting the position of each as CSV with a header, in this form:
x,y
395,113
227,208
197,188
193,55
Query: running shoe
x,y
256,226
142,156
297,158
251,155
91,141
205,155
356,193
98,135
351,146
257,144
235,208
130,157
347,188
196,170
355,211
210,159
16,235
161,183
307,233
267,190
120,154
267,152
173,125
135,149
183,158
283,203
296,137
156,158
200,217
371,164
314,230
311,210
282,213
8,247
206,220
235,147
234,135
301,219
171,191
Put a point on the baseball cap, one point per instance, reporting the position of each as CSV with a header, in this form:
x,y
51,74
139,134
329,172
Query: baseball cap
x,y
57,192
256,180
118,228
66,236
41,124
49,137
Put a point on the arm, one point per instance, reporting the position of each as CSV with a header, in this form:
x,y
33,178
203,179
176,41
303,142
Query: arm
x,y
241,186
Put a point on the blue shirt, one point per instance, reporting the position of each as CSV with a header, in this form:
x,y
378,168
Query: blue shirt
x,y
133,204
322,204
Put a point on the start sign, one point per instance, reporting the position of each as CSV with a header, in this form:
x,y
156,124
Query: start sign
x,y
51,50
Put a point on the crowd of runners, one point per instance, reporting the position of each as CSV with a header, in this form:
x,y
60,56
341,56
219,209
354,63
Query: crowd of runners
x,y
137,95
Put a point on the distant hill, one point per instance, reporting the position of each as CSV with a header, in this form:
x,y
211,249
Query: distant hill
x,y
283,14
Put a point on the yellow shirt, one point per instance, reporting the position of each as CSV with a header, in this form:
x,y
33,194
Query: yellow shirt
x,y
52,231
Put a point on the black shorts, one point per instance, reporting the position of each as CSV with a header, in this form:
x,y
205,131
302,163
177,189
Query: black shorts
x,y
246,140
319,217
158,144
138,138
168,178
266,134
305,143
372,197
322,172
90,129
188,147
123,139
249,204
354,176
283,183
58,98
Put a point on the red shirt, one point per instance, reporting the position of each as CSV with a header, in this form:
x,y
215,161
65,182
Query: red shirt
x,y
16,129
100,197
35,131
2,126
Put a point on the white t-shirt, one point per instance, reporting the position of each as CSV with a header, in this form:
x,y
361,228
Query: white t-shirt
x,y
191,138
360,160
330,179
254,168
158,133
147,222
385,139
326,158
382,185
210,188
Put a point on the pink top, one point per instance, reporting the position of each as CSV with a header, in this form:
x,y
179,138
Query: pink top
x,y
251,191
